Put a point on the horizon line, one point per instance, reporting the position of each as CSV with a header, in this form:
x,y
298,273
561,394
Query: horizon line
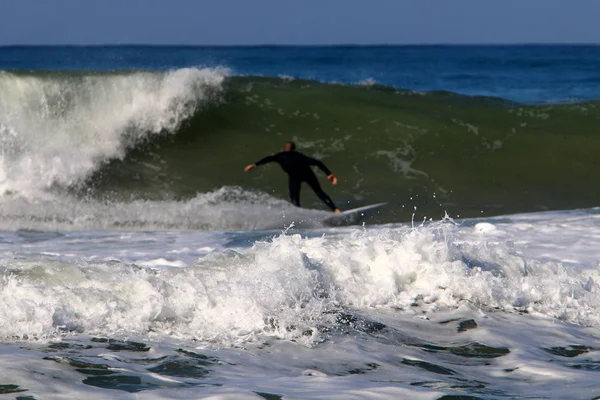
x,y
474,44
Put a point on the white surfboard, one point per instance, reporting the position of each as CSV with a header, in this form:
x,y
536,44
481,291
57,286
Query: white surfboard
x,y
353,215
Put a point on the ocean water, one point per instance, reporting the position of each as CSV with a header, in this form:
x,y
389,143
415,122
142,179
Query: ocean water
x,y
138,260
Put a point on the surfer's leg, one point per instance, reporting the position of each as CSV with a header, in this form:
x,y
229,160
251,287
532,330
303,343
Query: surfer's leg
x,y
316,187
294,185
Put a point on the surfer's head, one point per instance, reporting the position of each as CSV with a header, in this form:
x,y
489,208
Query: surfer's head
x,y
289,146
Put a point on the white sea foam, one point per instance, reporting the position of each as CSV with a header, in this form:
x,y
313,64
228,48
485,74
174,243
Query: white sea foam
x,y
58,129
283,287
227,208
277,299
368,82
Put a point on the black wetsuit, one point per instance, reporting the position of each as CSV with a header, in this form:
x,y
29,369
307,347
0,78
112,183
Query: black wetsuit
x,y
297,166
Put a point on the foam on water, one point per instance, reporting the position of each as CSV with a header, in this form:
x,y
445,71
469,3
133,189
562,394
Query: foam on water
x,y
57,130
283,287
485,308
227,208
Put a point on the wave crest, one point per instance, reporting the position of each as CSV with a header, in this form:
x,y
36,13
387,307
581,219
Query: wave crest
x,y
58,128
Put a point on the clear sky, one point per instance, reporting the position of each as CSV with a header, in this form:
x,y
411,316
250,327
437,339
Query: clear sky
x,y
226,22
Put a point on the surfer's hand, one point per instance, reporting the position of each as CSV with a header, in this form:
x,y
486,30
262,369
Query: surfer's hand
x,y
332,179
249,167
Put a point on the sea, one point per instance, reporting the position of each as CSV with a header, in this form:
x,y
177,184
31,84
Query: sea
x,y
139,261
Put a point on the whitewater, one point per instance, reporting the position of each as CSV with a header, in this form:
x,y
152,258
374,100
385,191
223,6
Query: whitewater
x,y
138,260
56,130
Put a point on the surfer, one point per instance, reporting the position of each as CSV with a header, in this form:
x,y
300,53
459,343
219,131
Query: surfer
x,y
297,166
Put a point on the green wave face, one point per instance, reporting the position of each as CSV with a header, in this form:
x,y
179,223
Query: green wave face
x,y
433,152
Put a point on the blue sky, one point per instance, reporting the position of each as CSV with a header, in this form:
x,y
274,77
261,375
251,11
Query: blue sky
x,y
226,22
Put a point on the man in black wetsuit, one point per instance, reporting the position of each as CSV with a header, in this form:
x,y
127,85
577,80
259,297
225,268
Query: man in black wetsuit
x,y
297,166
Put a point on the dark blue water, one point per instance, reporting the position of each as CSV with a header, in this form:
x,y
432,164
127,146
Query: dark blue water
x,y
530,74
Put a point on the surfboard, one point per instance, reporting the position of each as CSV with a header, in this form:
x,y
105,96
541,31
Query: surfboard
x,y
353,215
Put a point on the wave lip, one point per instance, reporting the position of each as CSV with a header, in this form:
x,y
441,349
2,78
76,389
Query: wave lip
x,y
55,129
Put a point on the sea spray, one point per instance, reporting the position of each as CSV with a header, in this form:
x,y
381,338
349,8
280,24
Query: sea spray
x,y
57,128
291,286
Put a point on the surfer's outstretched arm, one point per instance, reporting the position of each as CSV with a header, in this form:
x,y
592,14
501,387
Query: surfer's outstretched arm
x,y
318,163
323,167
266,160
262,161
